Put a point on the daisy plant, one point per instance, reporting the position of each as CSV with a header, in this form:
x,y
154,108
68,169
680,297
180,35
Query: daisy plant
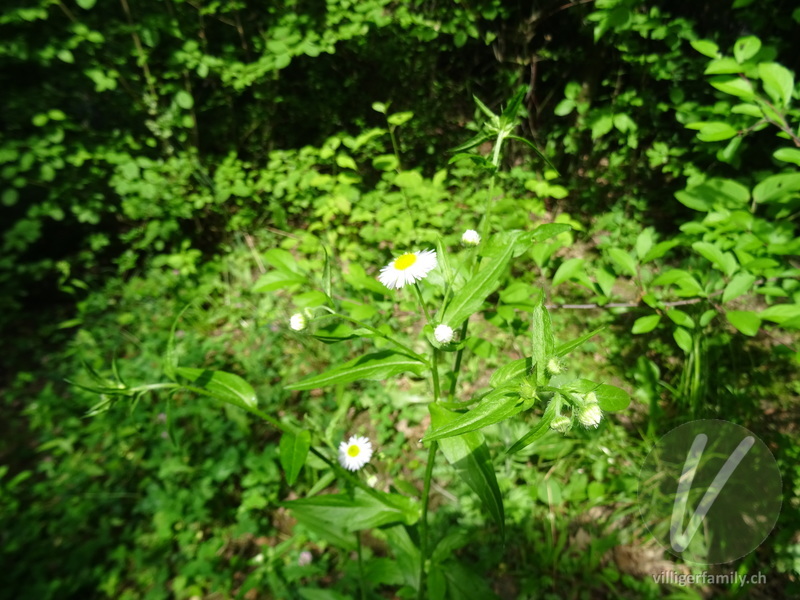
x,y
536,389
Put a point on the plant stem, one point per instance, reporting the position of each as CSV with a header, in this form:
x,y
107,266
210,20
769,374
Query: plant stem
x,y
360,567
457,366
423,531
421,303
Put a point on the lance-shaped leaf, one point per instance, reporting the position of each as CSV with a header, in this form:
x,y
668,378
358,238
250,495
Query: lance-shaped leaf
x,y
549,230
535,149
542,339
220,385
509,371
470,457
361,511
496,406
609,397
538,430
471,297
567,347
378,365
293,452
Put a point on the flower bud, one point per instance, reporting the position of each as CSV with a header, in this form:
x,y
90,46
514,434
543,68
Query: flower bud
x,y
554,367
561,424
443,334
590,415
471,238
298,322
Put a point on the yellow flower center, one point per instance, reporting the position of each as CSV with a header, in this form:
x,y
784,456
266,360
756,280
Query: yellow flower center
x,y
353,451
405,261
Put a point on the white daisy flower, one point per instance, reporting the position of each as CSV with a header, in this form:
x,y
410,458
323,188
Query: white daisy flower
x,y
590,415
470,238
408,268
355,453
297,322
443,334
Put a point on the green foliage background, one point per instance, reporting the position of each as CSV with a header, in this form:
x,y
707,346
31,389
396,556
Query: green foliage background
x,y
157,153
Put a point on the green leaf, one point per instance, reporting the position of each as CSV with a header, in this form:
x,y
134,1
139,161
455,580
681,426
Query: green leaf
x,y
400,118
713,131
538,430
276,280
549,230
706,48
745,321
220,385
782,188
739,285
790,155
471,143
735,86
645,324
717,258
644,242
778,82
683,338
86,4
496,406
293,452
542,340
659,250
344,161
361,511
470,298
282,261
681,318
378,365
516,368
567,347
469,455
623,260
184,100
723,192
746,48
570,268
609,397
780,313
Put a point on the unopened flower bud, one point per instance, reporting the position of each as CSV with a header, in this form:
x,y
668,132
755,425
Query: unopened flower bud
x,y
471,238
554,367
561,424
590,415
297,322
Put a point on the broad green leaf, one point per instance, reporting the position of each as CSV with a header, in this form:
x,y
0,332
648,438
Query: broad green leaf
x,y
516,368
378,365
567,347
293,452
549,230
361,511
496,406
780,313
735,86
746,48
623,260
276,280
681,278
681,318
777,188
471,297
466,583
86,4
470,457
659,250
542,340
345,161
724,192
790,155
184,100
644,242
223,386
683,338
778,82
538,430
282,260
706,48
645,324
570,268
400,118
609,397
713,131
723,66
717,258
745,321
739,285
